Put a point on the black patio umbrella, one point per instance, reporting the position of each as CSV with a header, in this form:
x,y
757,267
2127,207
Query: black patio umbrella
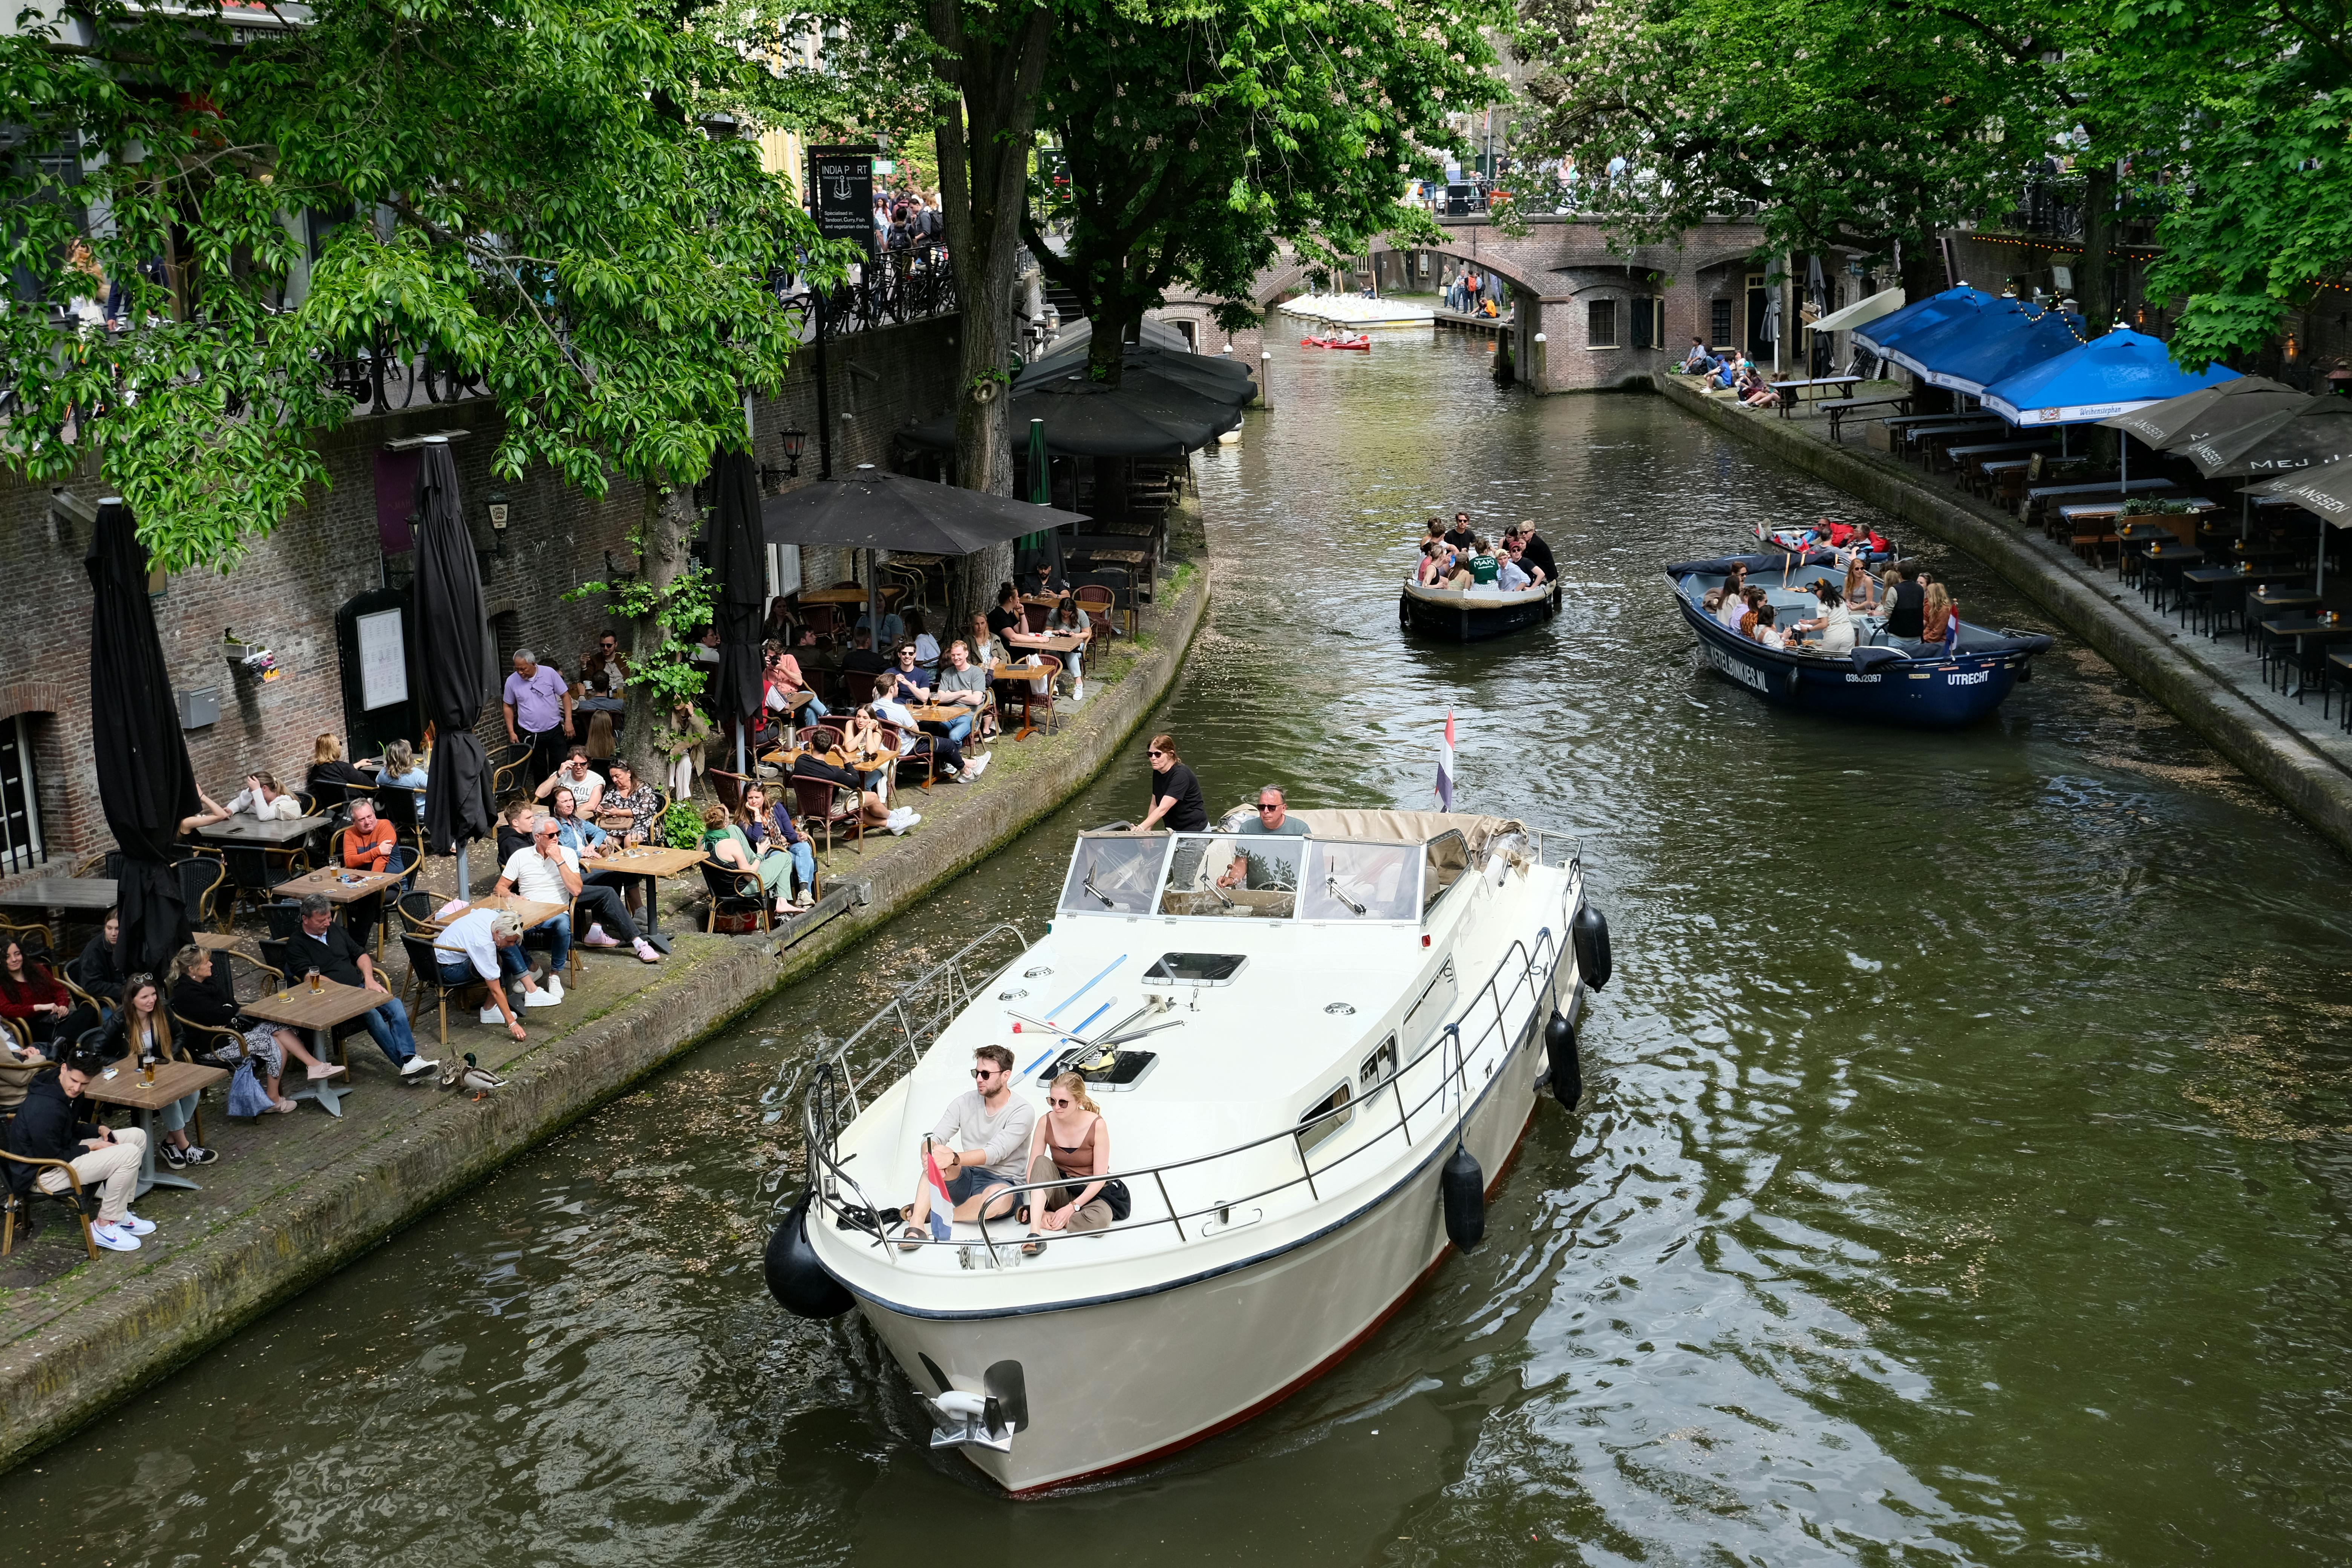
x,y
1219,379
144,782
1145,419
870,510
736,553
457,805
2316,430
2209,413
2323,489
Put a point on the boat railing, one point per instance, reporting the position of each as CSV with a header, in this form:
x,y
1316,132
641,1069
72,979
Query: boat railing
x,y
1522,969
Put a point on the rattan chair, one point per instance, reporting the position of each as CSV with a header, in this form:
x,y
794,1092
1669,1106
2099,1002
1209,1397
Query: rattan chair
x,y
84,1204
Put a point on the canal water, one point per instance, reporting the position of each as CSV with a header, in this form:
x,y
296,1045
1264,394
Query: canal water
x,y
1962,1176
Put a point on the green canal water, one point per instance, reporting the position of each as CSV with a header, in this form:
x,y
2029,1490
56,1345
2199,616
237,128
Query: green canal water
x,y
1962,1178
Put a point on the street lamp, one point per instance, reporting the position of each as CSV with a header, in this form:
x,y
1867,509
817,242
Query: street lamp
x,y
794,441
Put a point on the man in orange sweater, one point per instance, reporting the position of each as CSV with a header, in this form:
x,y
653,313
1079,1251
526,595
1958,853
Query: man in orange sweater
x,y
369,844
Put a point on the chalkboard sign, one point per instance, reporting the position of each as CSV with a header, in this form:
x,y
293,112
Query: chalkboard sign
x,y
842,181
384,661
375,643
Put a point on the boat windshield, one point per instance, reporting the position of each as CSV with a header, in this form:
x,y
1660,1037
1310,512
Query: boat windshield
x,y
1228,875
1361,882
1113,874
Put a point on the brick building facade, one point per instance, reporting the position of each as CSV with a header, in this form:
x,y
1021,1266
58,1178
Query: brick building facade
x,y
287,590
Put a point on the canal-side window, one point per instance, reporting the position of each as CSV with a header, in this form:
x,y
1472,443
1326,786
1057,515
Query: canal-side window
x,y
1361,882
1718,323
1113,874
1601,324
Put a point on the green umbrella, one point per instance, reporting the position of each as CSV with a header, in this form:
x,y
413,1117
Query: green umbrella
x,y
1041,480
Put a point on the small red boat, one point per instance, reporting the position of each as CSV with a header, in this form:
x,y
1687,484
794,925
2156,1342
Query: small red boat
x,y
1361,341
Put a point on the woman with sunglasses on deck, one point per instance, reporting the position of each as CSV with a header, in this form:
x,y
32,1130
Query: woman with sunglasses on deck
x,y
1071,1143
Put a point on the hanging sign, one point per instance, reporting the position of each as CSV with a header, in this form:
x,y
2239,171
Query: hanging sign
x,y
384,661
842,179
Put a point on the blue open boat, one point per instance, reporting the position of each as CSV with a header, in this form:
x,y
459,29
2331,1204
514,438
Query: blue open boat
x,y
1884,681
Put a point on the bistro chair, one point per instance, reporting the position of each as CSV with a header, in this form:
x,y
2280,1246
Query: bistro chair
x,y
416,910
13,1209
399,806
818,802
31,935
425,977
70,973
201,879
1100,603
734,891
919,757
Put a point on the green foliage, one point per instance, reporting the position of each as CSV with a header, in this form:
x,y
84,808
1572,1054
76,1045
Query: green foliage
x,y
1200,136
681,827
663,669
523,189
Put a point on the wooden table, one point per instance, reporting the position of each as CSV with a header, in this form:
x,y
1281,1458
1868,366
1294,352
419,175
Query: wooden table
x,y
277,835
891,595
1029,675
300,1008
343,888
56,895
530,912
216,941
1844,386
653,862
121,1084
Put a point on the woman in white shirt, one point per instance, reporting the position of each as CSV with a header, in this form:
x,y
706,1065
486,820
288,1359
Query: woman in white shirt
x,y
1766,632
1835,623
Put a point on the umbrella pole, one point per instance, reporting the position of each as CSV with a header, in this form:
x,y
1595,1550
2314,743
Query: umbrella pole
x,y
2320,586
874,604
464,888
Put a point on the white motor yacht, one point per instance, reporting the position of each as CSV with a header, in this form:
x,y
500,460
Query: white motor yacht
x,y
1313,1056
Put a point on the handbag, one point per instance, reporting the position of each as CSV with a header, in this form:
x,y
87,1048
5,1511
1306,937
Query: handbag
x,y
1114,1193
246,1097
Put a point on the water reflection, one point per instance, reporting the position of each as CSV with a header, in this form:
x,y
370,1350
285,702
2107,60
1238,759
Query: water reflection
x,y
1961,1177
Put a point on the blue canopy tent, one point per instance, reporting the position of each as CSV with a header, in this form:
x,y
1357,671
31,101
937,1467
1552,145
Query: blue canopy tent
x,y
1877,335
2105,377
1978,347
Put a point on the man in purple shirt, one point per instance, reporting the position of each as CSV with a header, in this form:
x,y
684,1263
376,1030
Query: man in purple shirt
x,y
539,712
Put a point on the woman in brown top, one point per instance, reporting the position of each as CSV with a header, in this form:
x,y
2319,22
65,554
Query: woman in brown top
x,y
1072,1143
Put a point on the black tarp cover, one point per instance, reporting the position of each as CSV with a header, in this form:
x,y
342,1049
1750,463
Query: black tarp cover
x,y
144,782
457,805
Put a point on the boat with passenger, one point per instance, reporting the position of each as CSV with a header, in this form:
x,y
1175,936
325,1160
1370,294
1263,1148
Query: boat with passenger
x,y
1880,677
1312,1056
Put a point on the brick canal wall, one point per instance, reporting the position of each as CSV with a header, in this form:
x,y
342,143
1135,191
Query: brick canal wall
x,y
2312,784
148,1321
285,592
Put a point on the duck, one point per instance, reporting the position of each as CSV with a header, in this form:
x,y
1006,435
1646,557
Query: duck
x,y
479,1078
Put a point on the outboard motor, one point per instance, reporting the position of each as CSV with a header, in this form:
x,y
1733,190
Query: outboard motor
x,y
1562,1069
795,1279
1463,1185
1590,930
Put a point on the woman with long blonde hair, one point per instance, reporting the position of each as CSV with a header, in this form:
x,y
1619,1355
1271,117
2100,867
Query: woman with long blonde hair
x,y
1937,613
1071,1146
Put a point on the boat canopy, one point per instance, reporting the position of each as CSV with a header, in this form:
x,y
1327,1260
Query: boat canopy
x,y
1353,866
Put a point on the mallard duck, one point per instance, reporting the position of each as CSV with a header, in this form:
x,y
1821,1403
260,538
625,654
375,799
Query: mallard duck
x,y
479,1078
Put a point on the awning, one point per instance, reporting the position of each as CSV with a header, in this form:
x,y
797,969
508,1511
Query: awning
x,y
1876,335
2105,377
1148,418
1884,302
1977,346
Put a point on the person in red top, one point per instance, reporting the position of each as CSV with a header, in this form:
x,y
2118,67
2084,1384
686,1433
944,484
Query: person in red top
x,y
369,844
29,992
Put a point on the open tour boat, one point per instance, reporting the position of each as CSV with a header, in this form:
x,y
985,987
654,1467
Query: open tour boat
x,y
1315,1055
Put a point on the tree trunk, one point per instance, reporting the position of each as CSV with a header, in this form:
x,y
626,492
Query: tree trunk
x,y
669,529
987,119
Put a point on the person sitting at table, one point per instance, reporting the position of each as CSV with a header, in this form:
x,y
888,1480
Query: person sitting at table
x,y
862,658
926,647
263,798
893,627
681,743
767,827
1009,616
784,622
979,1151
1761,630
55,1123
601,744
330,773
1834,624
947,759
320,945
29,994
607,656
781,678
369,843
962,685
95,970
141,1031
903,682
401,770
604,894
831,768
1905,602
641,801
514,828
600,687
486,945
988,649
728,841
586,785
1070,620
201,995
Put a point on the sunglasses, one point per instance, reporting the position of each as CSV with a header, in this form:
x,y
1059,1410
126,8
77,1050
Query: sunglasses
x,y
983,1072
1064,1101
1262,805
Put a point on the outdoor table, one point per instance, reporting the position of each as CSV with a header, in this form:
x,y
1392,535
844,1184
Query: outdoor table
x,y
57,895
2341,662
2306,632
1991,448
653,862
216,941
530,912
300,1008
2100,488
1844,384
2170,558
275,833
1029,675
343,888
2218,582
890,594
122,1084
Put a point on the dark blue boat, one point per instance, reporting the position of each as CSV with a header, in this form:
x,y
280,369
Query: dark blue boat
x,y
1884,681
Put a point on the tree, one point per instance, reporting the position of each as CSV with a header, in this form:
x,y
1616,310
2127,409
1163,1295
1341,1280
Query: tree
x,y
557,198
1197,139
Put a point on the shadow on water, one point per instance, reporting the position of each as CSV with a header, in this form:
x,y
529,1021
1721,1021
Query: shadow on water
x,y
1962,1176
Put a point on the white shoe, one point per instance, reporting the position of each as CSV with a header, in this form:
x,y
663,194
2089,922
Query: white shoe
x,y
542,997
135,1225
596,938
973,766
491,1015
552,986
417,1069
113,1239
1079,693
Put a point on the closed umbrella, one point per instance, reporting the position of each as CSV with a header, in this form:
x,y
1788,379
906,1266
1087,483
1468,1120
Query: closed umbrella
x,y
458,805
738,557
145,782
1041,486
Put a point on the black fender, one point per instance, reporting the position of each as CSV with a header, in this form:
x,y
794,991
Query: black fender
x,y
1589,932
795,1279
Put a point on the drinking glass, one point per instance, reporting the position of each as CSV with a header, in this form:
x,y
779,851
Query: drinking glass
x,y
316,984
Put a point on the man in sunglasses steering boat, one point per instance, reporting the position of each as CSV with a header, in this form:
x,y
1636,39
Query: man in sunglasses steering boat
x,y
977,1152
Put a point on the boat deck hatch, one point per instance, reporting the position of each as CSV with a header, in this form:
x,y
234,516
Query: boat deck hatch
x,y
1194,969
1125,1070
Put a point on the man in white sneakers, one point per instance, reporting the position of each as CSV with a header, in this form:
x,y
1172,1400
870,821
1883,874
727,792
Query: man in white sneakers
x,y
545,872
486,945
49,1126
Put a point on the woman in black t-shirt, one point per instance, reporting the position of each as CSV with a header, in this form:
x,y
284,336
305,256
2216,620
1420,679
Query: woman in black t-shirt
x,y
1176,802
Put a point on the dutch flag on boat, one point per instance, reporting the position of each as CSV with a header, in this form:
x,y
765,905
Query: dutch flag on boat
x,y
942,1205
1445,765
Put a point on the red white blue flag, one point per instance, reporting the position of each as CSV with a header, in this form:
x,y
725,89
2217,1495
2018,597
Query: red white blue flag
x,y
1445,765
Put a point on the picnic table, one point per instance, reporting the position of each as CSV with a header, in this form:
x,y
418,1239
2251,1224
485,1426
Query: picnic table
x,y
319,1011
122,1083
1843,409
1995,448
1789,390
653,862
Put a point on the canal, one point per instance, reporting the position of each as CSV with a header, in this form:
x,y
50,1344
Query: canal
x,y
1962,1174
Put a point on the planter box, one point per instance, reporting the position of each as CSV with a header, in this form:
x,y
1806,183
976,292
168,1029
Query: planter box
x,y
2182,526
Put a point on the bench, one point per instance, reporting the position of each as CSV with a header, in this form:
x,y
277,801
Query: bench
x,y
1790,389
1840,412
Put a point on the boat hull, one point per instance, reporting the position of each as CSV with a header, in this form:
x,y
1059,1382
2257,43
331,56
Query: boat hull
x,y
1474,616
1122,1382
1935,694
